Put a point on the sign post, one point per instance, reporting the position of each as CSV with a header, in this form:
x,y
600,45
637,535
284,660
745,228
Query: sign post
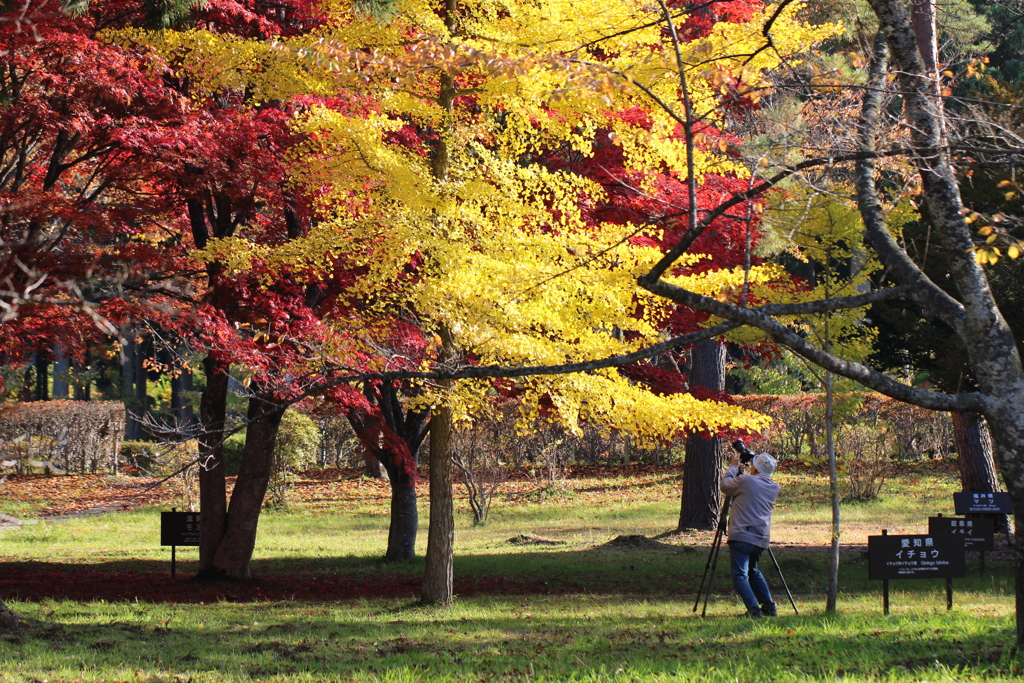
x,y
178,528
915,557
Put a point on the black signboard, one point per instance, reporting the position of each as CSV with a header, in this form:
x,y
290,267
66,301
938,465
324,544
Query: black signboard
x,y
916,557
981,503
179,528
978,532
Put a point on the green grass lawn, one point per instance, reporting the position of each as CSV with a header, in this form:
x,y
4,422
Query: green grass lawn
x,y
585,610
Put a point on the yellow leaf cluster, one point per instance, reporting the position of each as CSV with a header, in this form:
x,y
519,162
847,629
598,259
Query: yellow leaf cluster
x,y
504,256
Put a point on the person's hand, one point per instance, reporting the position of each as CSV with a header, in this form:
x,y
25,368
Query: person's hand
x,y
736,460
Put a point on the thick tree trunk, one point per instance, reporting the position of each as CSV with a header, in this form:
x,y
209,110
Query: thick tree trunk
x,y
405,519
974,455
1007,428
974,451
702,498
391,438
380,447
213,504
83,390
437,581
235,550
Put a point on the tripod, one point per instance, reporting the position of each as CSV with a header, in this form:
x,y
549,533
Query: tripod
x,y
709,567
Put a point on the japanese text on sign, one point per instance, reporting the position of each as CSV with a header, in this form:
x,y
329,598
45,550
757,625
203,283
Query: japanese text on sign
x,y
978,533
982,503
909,557
179,528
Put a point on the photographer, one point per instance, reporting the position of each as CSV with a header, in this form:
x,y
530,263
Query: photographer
x,y
753,497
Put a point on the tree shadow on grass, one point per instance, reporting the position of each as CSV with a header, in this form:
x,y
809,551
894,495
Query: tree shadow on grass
x,y
642,570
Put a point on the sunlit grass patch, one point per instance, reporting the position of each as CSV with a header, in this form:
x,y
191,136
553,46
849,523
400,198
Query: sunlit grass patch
x,y
581,638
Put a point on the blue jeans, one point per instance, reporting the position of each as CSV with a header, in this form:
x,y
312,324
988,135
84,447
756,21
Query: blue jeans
x,y
747,579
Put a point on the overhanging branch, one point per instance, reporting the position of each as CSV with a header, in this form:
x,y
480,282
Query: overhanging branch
x,y
782,334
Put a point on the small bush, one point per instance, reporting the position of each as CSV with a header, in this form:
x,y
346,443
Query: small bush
x,y
234,451
140,457
296,447
866,460
181,459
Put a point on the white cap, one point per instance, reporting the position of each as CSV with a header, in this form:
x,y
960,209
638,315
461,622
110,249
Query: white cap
x,y
765,464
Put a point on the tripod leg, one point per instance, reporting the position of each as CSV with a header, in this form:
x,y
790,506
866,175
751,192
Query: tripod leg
x,y
783,579
709,566
707,595
712,558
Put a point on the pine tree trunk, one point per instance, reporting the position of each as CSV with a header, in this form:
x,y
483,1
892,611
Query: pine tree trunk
x,y
213,503
974,452
437,581
235,550
974,455
702,498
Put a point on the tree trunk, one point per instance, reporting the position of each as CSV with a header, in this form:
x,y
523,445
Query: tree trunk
x,y
832,593
405,519
974,451
382,435
1007,427
61,370
235,550
974,455
83,390
922,17
702,498
131,366
437,581
372,467
181,411
213,504
42,387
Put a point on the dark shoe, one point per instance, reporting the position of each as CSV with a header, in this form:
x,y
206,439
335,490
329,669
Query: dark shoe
x,y
770,610
754,613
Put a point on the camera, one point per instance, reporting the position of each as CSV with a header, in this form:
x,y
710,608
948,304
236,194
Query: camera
x,y
746,455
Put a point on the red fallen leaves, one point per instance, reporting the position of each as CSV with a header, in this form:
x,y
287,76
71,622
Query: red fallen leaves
x,y
333,489
77,493
336,489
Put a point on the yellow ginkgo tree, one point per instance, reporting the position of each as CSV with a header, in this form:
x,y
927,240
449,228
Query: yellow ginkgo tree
x,y
437,148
